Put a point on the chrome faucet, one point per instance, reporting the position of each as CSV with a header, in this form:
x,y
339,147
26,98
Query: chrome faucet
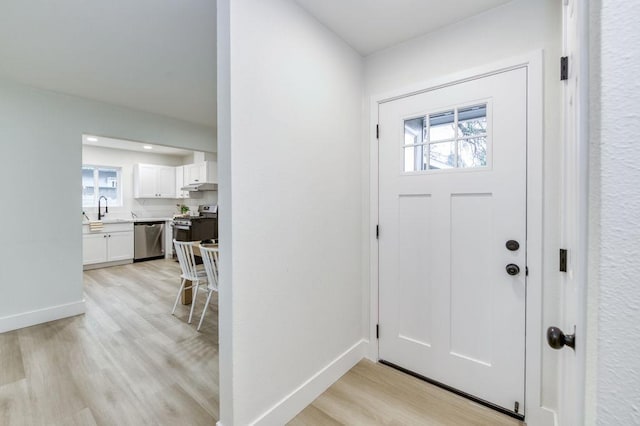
x,y
106,207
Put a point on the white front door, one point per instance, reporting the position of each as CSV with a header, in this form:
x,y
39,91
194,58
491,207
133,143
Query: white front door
x,y
452,212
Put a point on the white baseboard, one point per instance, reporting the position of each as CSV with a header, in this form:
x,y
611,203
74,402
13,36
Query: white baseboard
x,y
371,350
541,416
296,401
106,264
27,319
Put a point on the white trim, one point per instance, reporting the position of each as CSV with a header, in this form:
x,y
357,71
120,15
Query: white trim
x,y
40,316
289,406
573,388
91,266
535,413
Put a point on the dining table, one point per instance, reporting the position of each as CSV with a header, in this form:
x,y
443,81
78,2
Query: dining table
x,y
187,293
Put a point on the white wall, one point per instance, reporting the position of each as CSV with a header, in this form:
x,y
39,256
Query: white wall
x,y
295,153
41,196
615,210
98,156
514,29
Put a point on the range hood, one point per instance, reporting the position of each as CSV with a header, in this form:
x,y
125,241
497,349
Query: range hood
x,y
197,187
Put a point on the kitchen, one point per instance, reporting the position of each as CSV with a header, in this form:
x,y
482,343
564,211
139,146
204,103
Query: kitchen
x,y
137,198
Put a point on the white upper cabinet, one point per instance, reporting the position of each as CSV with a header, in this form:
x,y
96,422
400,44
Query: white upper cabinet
x,y
151,181
191,174
167,182
180,182
145,181
202,172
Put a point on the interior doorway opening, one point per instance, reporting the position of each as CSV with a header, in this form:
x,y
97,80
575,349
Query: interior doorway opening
x,y
137,198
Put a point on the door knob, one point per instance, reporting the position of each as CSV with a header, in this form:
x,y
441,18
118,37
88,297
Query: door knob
x,y
513,269
512,245
557,339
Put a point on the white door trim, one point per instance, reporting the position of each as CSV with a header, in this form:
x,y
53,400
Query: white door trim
x,y
575,221
535,413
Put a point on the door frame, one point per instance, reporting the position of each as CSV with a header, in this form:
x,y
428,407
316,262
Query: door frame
x,y
535,413
575,217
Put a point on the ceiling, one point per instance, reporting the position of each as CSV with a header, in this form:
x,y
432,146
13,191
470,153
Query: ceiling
x,y
104,142
159,55
372,25
152,55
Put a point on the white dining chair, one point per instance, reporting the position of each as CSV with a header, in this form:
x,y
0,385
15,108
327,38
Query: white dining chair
x,y
210,260
190,272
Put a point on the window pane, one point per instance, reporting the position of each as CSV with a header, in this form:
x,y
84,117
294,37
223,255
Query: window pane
x,y
442,126
473,152
414,158
442,155
472,121
108,183
414,133
88,189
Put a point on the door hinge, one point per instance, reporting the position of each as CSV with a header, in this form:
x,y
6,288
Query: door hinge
x,y
564,68
563,260
377,331
377,231
526,271
516,407
377,131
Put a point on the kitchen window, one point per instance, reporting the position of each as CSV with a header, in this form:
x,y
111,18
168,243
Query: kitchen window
x,y
98,181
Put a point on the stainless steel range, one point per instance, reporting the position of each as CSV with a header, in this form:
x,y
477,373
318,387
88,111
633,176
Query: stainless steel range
x,y
197,228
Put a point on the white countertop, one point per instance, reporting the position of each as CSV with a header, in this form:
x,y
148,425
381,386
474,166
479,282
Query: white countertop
x,y
107,221
152,219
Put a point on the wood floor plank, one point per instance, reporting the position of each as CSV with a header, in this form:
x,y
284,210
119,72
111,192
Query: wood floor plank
x,y
81,418
11,366
313,416
15,406
173,405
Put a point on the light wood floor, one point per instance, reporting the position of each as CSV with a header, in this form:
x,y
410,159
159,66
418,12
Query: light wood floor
x,y
128,361
374,394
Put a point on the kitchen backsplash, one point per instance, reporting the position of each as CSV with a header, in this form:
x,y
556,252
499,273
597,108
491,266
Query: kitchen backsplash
x,y
151,208
143,208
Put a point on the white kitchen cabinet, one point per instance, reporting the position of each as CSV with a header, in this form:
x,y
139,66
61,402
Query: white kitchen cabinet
x,y
113,244
119,246
203,172
145,181
94,248
180,194
152,181
193,174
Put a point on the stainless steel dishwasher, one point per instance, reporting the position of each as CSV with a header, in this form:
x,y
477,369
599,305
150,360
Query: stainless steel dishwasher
x,y
148,240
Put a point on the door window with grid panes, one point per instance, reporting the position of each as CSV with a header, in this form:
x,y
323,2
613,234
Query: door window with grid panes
x,y
455,138
100,181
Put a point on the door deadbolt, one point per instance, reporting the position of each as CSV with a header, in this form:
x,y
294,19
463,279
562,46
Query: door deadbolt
x,y
512,245
513,269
